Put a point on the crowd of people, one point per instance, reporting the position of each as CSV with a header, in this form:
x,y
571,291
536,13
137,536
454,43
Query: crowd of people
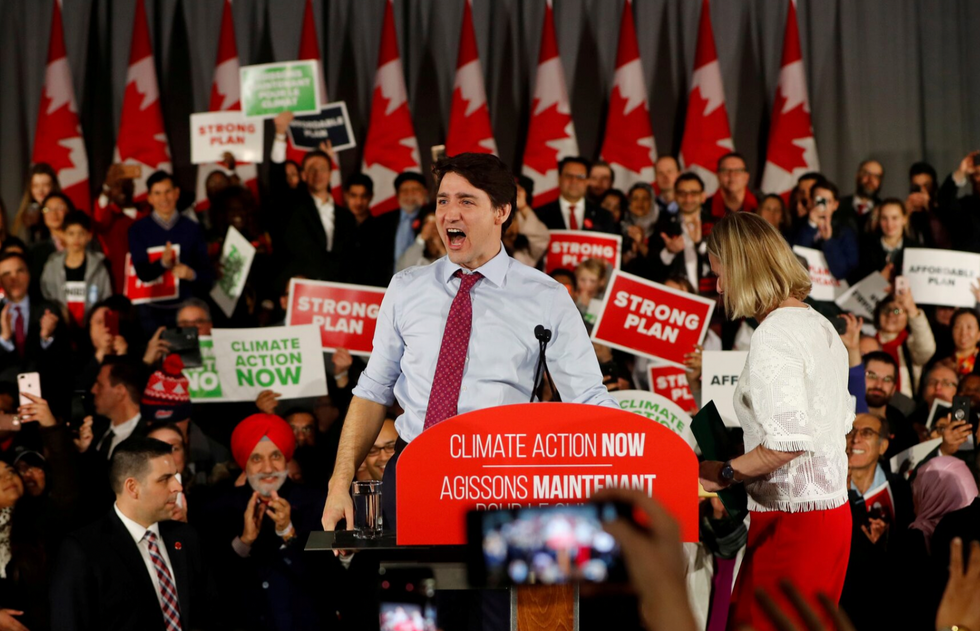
x,y
219,498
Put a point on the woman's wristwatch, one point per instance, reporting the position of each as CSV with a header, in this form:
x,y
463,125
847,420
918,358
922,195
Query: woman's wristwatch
x,y
727,474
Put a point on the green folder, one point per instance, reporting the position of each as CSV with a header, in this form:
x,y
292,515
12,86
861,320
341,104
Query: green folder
x,y
715,443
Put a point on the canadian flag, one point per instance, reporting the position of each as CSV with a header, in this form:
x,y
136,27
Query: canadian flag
x,y
792,149
706,133
142,139
469,118
58,137
628,145
391,147
551,132
309,48
225,96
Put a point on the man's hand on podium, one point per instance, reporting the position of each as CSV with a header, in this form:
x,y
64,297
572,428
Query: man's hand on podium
x,y
339,506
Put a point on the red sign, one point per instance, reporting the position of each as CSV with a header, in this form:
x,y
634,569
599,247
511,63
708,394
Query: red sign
x,y
568,248
346,315
647,318
496,458
166,287
671,382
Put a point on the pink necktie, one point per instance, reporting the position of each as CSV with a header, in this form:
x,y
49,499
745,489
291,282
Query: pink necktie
x,y
572,220
444,396
168,591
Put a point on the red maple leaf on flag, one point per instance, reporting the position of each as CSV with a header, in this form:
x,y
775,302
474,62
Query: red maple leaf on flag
x,y
622,146
384,142
218,97
787,127
549,125
475,127
148,145
55,127
701,144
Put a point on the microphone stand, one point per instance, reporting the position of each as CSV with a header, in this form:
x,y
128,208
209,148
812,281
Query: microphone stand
x,y
541,371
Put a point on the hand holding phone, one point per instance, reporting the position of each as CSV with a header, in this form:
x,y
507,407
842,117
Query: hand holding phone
x,y
901,285
29,382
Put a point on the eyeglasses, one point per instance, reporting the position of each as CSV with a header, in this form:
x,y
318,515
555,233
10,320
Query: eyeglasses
x,y
732,171
894,311
389,449
876,176
305,429
683,193
873,376
932,383
573,176
863,432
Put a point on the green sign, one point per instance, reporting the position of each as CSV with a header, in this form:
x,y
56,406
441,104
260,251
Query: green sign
x,y
268,89
204,384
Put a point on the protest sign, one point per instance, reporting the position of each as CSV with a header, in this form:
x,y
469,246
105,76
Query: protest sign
x,y
941,277
650,319
862,298
290,86
938,410
493,458
568,248
825,287
214,133
166,287
719,376
204,386
345,315
880,503
656,408
671,382
236,261
286,359
905,462
330,123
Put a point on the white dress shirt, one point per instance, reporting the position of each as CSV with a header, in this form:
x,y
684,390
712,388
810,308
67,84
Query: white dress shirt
x,y
508,303
119,433
566,205
326,212
691,251
137,532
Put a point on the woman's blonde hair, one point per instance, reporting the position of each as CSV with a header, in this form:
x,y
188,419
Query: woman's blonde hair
x,y
761,270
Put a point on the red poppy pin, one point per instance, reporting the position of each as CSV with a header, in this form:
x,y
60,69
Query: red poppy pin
x,y
416,224
587,223
177,545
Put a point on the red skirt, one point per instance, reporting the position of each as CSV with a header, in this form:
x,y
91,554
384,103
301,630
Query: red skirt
x,y
809,549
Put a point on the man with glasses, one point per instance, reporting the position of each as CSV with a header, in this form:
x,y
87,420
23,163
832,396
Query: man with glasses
x,y
733,188
867,184
941,382
867,583
373,467
880,371
572,211
195,313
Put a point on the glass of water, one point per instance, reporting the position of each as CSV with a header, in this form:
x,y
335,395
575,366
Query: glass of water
x,y
367,509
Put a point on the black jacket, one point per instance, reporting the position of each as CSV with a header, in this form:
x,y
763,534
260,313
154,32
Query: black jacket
x,y
50,362
101,581
305,245
596,218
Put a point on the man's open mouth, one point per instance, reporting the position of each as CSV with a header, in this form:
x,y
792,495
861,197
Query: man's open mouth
x,y
455,236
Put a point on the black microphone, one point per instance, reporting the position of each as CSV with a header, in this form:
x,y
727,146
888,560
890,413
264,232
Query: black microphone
x,y
543,334
541,372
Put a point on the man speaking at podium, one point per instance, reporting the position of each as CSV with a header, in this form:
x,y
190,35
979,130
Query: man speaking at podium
x,y
459,335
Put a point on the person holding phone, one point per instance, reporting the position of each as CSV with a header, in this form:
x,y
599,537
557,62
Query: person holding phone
x,y
793,404
905,334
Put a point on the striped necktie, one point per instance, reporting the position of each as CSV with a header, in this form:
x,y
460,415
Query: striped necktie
x,y
168,590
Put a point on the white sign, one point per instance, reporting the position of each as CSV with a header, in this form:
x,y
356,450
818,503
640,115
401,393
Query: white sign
x,y
825,288
285,359
657,408
720,371
214,133
941,277
906,461
861,299
236,261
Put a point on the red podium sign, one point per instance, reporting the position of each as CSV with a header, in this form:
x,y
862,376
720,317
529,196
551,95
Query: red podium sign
x,y
537,454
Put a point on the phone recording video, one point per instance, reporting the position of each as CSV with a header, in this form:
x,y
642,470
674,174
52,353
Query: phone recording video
x,y
184,342
407,600
548,545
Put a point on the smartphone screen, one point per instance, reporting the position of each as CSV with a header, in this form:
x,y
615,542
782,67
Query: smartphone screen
x,y
547,546
407,599
29,382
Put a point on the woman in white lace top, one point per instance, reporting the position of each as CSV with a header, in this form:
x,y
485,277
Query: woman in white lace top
x,y
795,410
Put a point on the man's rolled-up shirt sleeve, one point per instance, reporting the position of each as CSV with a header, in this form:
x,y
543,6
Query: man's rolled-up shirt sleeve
x,y
571,356
377,382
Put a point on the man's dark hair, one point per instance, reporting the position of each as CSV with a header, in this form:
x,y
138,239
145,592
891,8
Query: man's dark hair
x,y
7,255
574,160
13,242
528,185
360,179
885,431
603,163
810,175
292,162
826,185
569,275
77,218
316,153
486,172
731,154
298,410
688,176
131,459
409,176
168,425
963,311
129,372
923,168
880,356
157,177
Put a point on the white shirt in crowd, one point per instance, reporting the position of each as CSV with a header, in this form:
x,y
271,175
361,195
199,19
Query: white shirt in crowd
x,y
119,433
792,396
138,532
566,210
691,252
326,212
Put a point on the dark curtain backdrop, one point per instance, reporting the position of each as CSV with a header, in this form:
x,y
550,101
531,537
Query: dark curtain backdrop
x,y
898,80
